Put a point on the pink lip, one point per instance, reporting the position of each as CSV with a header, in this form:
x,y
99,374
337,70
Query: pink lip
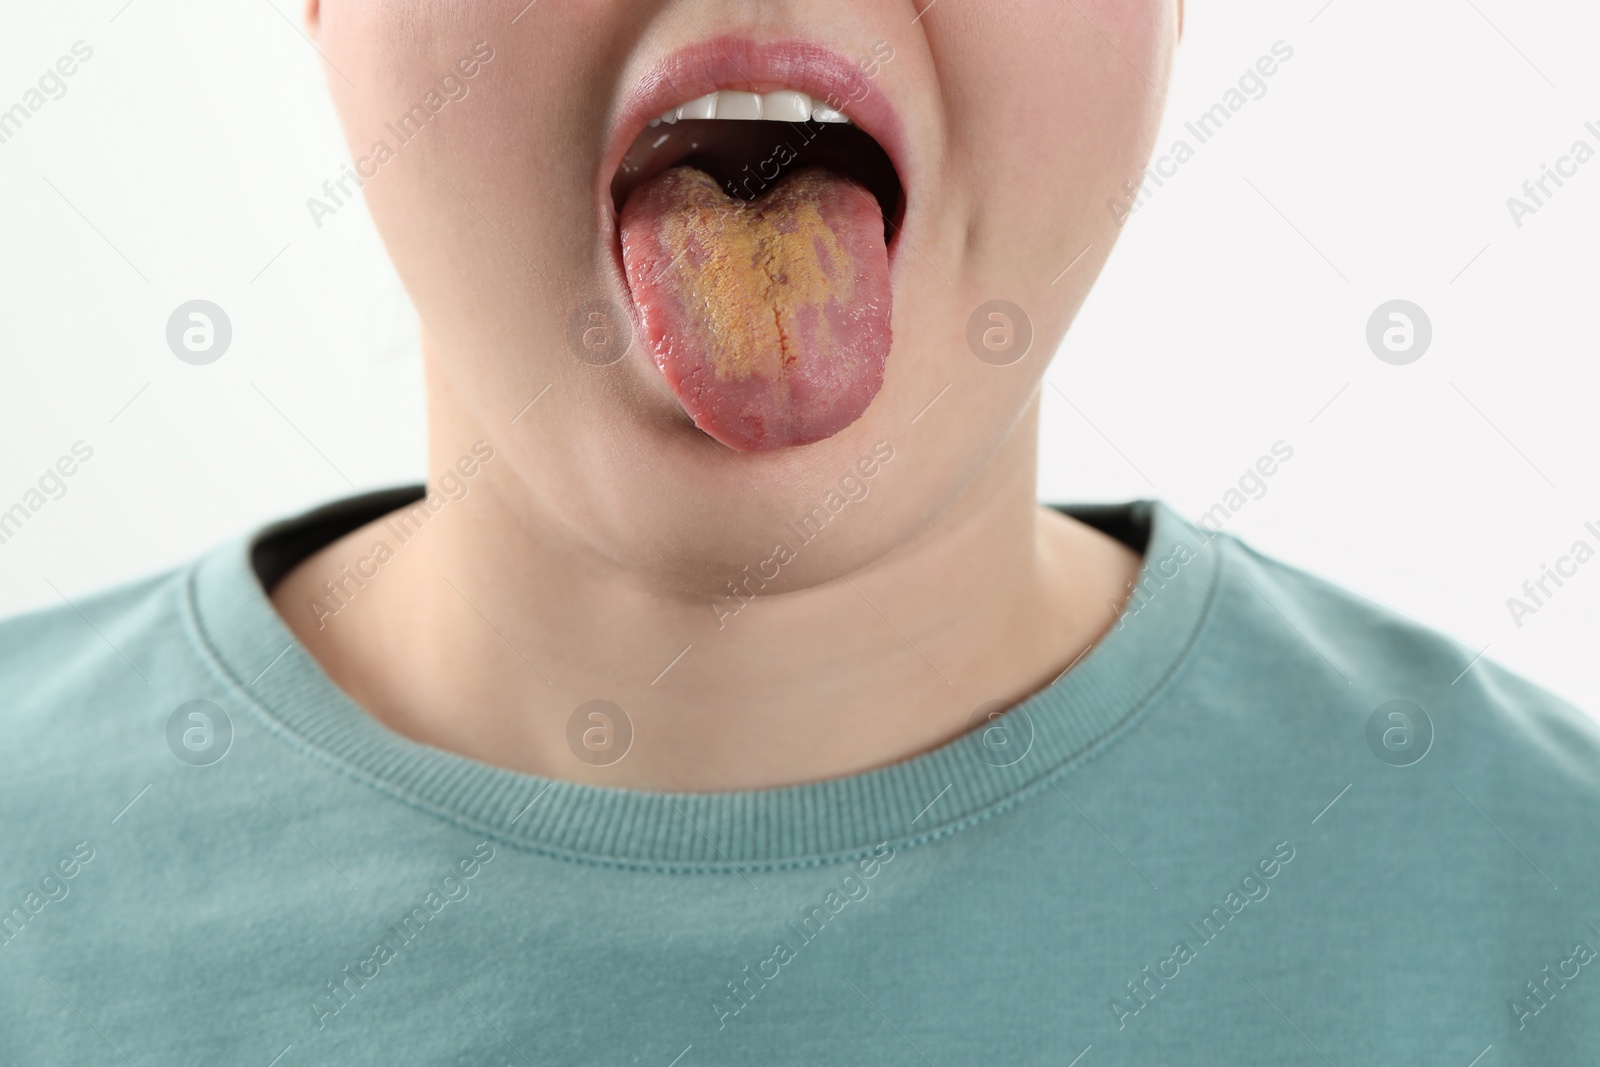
x,y
742,64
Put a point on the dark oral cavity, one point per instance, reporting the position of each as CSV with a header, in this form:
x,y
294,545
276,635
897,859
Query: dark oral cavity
x,y
768,318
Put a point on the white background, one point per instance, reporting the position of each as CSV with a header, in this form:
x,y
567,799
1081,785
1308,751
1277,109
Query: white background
x,y
1233,315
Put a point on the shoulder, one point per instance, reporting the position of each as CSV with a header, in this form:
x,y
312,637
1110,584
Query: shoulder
x,y
1364,672
78,669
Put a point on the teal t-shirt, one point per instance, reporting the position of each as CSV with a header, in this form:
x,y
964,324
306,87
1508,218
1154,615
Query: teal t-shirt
x,y
1262,822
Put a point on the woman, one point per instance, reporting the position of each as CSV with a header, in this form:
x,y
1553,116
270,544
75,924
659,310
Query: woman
x,y
726,695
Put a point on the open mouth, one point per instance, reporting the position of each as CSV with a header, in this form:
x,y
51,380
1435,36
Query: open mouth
x,y
748,156
756,230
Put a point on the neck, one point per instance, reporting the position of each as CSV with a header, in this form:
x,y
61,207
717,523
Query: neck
x,y
490,627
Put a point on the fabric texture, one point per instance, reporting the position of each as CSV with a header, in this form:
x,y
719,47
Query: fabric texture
x,y
1262,821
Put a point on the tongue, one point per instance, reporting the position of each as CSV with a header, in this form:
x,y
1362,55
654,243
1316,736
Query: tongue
x,y
769,319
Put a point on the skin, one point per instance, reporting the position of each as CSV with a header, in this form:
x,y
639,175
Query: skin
x,y
583,558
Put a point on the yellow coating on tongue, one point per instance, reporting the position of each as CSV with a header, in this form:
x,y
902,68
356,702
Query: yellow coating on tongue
x,y
761,265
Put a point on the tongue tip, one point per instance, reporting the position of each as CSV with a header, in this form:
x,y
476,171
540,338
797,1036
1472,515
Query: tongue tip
x,y
749,421
755,436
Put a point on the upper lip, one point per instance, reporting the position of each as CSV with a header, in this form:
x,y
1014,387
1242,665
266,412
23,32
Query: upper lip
x,y
740,63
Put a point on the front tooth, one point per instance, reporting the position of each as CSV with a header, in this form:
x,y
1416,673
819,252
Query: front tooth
x,y
703,108
669,117
786,105
824,113
732,104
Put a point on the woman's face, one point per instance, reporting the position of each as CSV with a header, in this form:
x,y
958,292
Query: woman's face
x,y
1009,127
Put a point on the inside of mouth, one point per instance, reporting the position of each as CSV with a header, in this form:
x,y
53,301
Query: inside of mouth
x,y
748,159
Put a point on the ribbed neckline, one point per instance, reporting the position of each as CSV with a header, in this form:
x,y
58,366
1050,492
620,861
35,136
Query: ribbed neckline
x,y
235,626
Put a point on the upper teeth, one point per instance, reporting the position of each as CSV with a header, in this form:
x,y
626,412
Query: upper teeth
x,y
784,105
